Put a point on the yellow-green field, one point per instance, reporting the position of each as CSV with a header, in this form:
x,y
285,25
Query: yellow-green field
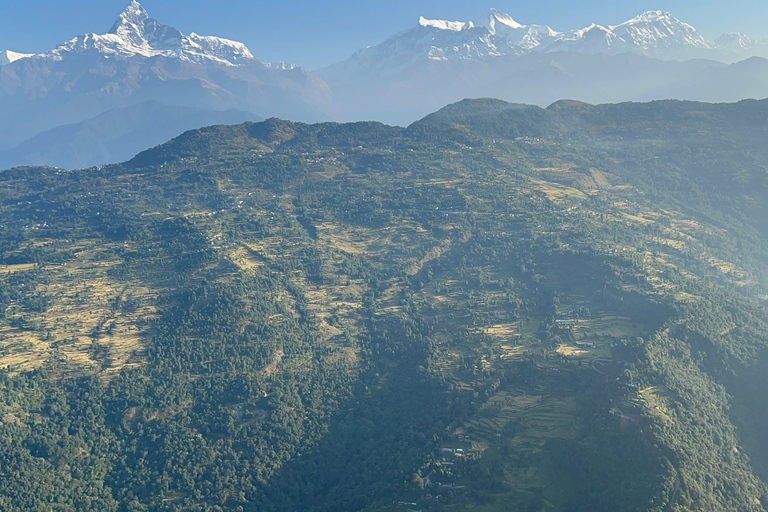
x,y
21,267
94,321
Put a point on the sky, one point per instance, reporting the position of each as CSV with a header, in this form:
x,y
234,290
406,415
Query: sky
x,y
317,33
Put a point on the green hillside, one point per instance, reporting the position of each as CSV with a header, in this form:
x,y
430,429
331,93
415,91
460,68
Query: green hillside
x,y
498,308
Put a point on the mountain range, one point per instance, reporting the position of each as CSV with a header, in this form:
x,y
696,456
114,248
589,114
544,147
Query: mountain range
x,y
652,56
654,34
140,60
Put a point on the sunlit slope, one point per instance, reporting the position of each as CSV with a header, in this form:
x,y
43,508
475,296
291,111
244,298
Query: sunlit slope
x,y
498,308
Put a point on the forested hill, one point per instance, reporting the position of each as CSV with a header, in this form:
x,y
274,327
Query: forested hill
x,y
500,307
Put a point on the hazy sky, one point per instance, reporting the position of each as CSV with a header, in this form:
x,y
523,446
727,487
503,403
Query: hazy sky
x,y
315,33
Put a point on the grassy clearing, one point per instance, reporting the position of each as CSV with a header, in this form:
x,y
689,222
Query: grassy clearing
x,y
529,420
21,267
556,192
509,434
599,178
686,297
502,331
638,218
345,239
726,267
609,325
675,244
658,400
570,350
93,321
691,225
245,258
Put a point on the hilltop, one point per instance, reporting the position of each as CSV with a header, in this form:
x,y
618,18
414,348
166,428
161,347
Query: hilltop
x,y
499,307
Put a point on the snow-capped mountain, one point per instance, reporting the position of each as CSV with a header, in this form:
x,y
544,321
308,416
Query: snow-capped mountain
x,y
495,35
659,34
735,41
651,56
140,59
7,56
135,33
509,36
655,34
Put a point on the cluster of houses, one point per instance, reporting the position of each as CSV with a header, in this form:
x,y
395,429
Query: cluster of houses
x,y
449,486
527,140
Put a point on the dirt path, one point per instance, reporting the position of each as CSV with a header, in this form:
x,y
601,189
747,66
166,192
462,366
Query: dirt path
x,y
592,364
676,491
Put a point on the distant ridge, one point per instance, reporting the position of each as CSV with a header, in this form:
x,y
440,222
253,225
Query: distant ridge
x,y
141,59
116,135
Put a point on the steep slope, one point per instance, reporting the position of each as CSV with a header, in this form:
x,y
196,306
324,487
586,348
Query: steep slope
x,y
500,307
141,59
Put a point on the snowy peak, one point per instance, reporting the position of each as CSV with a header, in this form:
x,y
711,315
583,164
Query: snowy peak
x,y
216,48
130,21
8,57
656,32
495,18
735,47
497,35
652,17
735,41
492,21
453,26
136,27
136,33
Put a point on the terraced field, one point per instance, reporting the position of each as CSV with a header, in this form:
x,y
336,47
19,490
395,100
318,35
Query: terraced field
x,y
444,317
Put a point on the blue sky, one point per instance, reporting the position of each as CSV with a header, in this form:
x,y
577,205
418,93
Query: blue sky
x,y
316,33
